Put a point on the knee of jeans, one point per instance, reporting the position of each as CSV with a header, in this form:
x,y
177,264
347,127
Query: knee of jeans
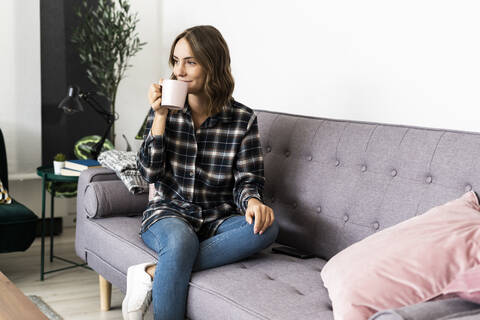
x,y
182,240
272,232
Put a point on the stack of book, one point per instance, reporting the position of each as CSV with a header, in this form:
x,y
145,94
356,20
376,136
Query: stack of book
x,y
75,167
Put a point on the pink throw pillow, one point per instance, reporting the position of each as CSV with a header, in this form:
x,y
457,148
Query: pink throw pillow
x,y
466,285
408,263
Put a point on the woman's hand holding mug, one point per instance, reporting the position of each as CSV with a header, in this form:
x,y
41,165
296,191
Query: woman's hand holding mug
x,y
155,98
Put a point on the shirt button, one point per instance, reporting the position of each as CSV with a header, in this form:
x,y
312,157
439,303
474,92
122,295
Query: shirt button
x,y
191,173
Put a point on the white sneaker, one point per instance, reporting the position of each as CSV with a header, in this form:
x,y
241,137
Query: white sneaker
x,y
139,292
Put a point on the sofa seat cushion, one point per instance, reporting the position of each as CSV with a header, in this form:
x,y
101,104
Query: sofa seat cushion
x,y
264,286
105,240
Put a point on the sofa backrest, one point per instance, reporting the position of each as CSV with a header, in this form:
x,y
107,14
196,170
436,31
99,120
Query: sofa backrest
x,y
332,183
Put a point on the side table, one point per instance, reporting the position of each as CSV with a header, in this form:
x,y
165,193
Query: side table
x,y
48,175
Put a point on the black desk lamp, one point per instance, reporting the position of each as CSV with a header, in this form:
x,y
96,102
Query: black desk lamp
x,y
73,103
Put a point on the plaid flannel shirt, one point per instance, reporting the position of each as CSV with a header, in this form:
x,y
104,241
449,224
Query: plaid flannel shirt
x,y
202,176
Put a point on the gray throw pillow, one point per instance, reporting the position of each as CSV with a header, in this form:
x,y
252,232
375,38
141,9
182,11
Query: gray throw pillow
x,y
112,198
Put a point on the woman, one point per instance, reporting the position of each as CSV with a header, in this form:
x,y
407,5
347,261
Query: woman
x,y
207,165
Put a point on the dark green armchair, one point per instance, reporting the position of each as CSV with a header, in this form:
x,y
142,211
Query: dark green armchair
x,y
17,222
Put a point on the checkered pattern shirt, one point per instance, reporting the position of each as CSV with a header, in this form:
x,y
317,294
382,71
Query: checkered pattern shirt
x,y
202,176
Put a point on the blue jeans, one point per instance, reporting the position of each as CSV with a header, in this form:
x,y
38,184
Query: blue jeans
x,y
180,252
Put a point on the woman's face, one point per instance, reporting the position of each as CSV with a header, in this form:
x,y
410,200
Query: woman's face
x,y
186,67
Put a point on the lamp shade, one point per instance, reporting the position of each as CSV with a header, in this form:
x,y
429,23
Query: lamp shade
x,y
71,103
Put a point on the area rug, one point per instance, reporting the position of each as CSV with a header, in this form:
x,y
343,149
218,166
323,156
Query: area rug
x,y
45,308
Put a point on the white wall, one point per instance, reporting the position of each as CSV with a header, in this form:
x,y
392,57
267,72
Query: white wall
x,y
132,103
20,89
410,62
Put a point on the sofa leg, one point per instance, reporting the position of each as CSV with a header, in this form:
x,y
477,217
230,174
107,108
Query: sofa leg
x,y
105,293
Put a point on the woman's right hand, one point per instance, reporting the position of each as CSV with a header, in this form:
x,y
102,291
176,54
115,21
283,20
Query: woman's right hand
x,y
155,98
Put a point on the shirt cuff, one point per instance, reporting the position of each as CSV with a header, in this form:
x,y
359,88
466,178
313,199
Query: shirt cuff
x,y
154,141
249,195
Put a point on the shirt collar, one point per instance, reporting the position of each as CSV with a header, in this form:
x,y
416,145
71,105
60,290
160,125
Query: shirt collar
x,y
225,115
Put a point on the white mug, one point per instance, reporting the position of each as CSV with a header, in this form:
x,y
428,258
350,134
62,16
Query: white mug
x,y
174,93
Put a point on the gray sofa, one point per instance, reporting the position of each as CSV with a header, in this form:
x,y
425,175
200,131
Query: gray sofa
x,y
331,183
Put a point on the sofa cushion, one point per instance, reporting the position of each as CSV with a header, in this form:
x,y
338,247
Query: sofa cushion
x,y
332,183
111,198
114,237
264,286
406,264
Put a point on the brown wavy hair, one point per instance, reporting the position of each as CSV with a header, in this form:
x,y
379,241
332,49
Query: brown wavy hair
x,y
211,51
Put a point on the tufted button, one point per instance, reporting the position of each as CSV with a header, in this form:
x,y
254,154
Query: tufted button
x,y
309,158
269,149
393,173
337,163
299,292
191,173
345,218
364,168
319,209
294,205
287,154
376,225
429,180
468,188
273,199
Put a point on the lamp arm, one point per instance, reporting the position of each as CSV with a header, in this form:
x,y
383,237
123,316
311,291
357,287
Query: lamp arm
x,y
88,97
108,117
98,146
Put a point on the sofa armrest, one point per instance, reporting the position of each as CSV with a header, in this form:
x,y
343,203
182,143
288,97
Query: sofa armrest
x,y
451,309
86,177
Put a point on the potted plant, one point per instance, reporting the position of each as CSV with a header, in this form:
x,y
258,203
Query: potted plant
x,y
106,40
58,162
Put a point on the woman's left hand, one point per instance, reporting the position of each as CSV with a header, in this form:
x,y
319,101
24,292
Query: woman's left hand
x,y
263,215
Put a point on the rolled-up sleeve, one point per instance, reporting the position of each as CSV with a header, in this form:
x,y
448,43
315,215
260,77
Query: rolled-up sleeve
x,y
249,168
151,156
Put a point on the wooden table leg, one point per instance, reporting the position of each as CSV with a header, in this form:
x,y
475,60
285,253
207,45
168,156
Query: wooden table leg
x,y
105,293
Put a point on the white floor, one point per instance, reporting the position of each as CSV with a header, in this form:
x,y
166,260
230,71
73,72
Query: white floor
x,y
73,293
